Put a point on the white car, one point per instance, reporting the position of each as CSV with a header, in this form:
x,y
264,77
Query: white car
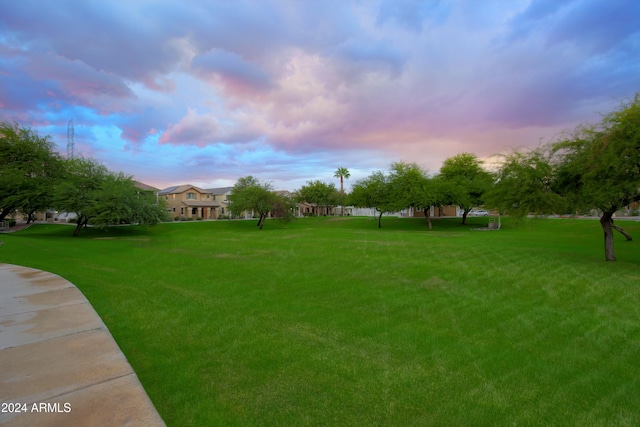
x,y
478,212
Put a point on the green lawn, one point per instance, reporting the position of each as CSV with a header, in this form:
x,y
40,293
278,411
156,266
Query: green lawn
x,y
335,322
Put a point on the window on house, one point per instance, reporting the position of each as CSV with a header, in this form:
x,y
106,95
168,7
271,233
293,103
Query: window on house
x,y
191,196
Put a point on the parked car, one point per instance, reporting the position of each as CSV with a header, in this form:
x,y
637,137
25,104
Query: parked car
x,y
478,212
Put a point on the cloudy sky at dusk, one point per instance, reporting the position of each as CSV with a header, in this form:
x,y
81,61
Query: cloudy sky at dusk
x,y
203,92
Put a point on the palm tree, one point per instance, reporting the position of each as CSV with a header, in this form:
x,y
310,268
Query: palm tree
x,y
342,173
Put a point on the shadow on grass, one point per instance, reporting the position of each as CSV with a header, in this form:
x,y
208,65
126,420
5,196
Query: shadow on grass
x,y
66,230
355,223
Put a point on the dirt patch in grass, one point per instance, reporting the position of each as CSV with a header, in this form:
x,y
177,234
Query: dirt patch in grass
x,y
434,282
132,239
228,256
290,236
380,242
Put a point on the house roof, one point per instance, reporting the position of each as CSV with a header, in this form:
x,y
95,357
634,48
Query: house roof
x,y
219,190
178,189
144,187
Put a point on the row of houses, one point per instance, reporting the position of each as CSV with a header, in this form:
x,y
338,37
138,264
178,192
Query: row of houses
x,y
192,202
189,201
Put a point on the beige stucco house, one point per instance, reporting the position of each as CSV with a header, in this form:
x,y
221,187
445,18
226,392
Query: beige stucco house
x,y
437,211
189,201
221,196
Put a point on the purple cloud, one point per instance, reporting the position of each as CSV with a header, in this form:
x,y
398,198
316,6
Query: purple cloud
x,y
295,88
234,73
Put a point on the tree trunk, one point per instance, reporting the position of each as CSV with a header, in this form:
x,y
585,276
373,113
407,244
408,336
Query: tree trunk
x,y
427,215
621,231
6,211
464,217
380,220
261,221
341,198
607,227
82,222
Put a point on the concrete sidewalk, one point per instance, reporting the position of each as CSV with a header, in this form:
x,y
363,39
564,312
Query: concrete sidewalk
x,y
59,365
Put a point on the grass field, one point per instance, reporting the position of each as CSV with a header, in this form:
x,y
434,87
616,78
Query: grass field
x,y
330,321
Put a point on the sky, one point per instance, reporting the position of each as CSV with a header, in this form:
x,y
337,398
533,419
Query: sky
x,y
205,92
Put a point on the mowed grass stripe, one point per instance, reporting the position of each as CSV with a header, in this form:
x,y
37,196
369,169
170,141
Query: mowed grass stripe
x,y
325,322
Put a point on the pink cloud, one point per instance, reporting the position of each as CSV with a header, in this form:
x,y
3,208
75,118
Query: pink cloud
x,y
192,129
315,83
231,71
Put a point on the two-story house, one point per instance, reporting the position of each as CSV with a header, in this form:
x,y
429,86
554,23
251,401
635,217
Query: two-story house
x,y
189,201
221,196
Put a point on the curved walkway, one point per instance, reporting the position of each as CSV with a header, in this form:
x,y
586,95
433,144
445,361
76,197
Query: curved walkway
x,y
59,365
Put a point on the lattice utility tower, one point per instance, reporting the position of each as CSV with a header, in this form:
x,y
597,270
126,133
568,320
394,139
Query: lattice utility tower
x,y
70,143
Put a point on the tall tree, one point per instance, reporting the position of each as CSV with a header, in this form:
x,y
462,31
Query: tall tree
x,y
249,194
120,201
526,184
342,173
148,208
413,188
283,207
595,167
29,169
599,166
318,192
102,198
464,182
376,191
78,192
